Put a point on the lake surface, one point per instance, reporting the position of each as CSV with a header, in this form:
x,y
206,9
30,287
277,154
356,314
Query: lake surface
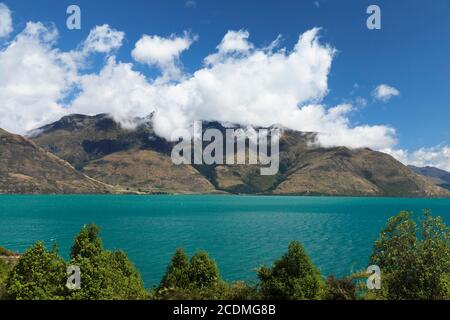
x,y
239,232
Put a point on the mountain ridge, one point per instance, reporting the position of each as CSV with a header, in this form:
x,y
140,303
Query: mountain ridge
x,y
27,168
138,160
438,176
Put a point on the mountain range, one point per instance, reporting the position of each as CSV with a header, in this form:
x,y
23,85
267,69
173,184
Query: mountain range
x,y
438,176
95,154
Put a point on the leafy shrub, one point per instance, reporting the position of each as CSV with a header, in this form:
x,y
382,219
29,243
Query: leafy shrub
x,y
340,289
105,275
196,279
39,275
293,277
414,259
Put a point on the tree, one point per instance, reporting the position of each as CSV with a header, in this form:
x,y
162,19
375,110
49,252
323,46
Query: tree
x,y
414,260
293,277
434,250
196,279
340,289
177,274
5,267
203,271
87,243
39,275
105,275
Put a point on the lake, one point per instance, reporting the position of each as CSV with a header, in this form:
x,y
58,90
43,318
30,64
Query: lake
x,y
239,232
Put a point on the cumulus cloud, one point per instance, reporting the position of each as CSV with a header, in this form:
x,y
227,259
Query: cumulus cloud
x,y
385,92
6,26
117,90
163,53
30,94
43,76
103,39
233,43
243,84
438,156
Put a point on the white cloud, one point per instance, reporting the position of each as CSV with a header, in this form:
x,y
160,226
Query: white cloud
x,y
239,83
385,92
234,42
256,87
103,39
33,79
43,76
163,53
6,26
246,85
117,90
438,156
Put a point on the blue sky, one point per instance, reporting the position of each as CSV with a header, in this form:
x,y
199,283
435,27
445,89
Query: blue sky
x,y
410,53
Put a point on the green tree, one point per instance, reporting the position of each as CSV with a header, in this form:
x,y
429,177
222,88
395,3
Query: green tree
x,y
203,271
39,275
293,277
196,279
414,259
434,250
5,267
340,289
105,275
177,274
87,243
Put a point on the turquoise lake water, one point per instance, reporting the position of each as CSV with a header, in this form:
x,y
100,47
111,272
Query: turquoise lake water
x,y
240,232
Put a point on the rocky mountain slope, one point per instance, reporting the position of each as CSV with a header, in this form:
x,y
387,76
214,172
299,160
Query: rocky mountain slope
x,y
139,160
134,160
27,168
439,177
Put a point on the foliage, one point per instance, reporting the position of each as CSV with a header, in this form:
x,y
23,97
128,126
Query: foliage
x,y
87,243
196,279
177,274
293,277
340,289
105,275
39,275
414,259
242,291
5,267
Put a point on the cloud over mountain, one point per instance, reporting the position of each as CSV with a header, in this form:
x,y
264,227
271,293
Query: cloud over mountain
x,y
239,83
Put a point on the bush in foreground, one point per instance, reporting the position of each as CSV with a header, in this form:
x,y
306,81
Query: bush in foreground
x,y
293,277
196,279
41,274
414,259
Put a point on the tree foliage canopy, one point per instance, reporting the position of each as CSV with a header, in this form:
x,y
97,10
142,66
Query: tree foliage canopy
x,y
414,258
293,277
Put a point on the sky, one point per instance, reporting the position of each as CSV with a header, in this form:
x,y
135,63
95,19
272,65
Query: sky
x,y
307,65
